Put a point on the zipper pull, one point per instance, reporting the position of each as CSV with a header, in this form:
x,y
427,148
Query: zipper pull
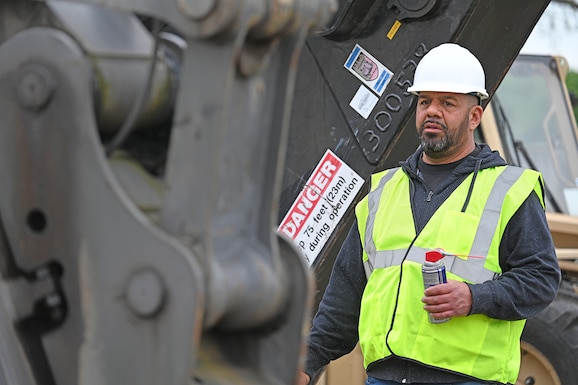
x,y
429,195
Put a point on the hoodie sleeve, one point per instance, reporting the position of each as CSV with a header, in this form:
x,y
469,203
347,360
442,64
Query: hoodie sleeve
x,y
531,274
334,327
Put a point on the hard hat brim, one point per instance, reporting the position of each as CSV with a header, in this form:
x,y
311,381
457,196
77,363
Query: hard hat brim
x,y
444,87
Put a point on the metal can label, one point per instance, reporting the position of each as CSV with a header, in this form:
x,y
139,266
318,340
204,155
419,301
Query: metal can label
x,y
433,274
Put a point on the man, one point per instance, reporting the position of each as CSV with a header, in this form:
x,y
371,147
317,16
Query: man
x,y
458,196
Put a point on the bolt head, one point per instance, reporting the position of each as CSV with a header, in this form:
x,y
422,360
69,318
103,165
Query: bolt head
x,y
145,293
35,87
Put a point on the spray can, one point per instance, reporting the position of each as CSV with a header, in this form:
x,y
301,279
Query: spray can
x,y
434,273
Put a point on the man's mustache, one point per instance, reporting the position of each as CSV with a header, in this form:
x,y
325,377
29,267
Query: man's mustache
x,y
433,121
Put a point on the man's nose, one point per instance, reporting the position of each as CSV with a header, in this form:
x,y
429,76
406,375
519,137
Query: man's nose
x,y
433,109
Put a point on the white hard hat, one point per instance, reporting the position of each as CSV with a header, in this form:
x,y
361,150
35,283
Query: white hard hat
x,y
450,68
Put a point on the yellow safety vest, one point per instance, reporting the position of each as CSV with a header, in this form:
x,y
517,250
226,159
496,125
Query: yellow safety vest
x,y
392,319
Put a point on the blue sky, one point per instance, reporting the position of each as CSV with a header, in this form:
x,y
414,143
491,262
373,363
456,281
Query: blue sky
x,y
556,33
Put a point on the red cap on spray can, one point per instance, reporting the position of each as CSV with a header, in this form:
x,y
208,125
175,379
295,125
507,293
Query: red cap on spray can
x,y
433,256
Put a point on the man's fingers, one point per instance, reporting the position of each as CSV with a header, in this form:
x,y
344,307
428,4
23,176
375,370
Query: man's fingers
x,y
448,299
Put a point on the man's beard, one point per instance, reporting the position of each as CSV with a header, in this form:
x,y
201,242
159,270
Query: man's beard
x,y
436,146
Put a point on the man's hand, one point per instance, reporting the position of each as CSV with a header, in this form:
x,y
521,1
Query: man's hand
x,y
303,379
448,300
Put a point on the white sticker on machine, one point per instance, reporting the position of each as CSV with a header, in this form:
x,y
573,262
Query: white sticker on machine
x,y
321,204
367,69
363,102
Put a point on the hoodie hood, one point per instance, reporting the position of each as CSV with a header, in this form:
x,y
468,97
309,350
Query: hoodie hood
x,y
485,157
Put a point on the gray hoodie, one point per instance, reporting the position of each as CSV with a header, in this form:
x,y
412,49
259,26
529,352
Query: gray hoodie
x,y
529,282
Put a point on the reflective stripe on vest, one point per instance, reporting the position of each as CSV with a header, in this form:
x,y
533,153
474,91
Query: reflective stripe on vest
x,y
471,269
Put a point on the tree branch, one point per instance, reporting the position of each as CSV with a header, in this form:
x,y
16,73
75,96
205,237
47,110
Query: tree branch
x,y
570,3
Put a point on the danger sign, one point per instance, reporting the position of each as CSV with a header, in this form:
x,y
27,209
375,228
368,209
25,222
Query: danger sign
x,y
321,204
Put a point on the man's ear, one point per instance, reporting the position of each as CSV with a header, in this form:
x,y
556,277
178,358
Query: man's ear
x,y
475,116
